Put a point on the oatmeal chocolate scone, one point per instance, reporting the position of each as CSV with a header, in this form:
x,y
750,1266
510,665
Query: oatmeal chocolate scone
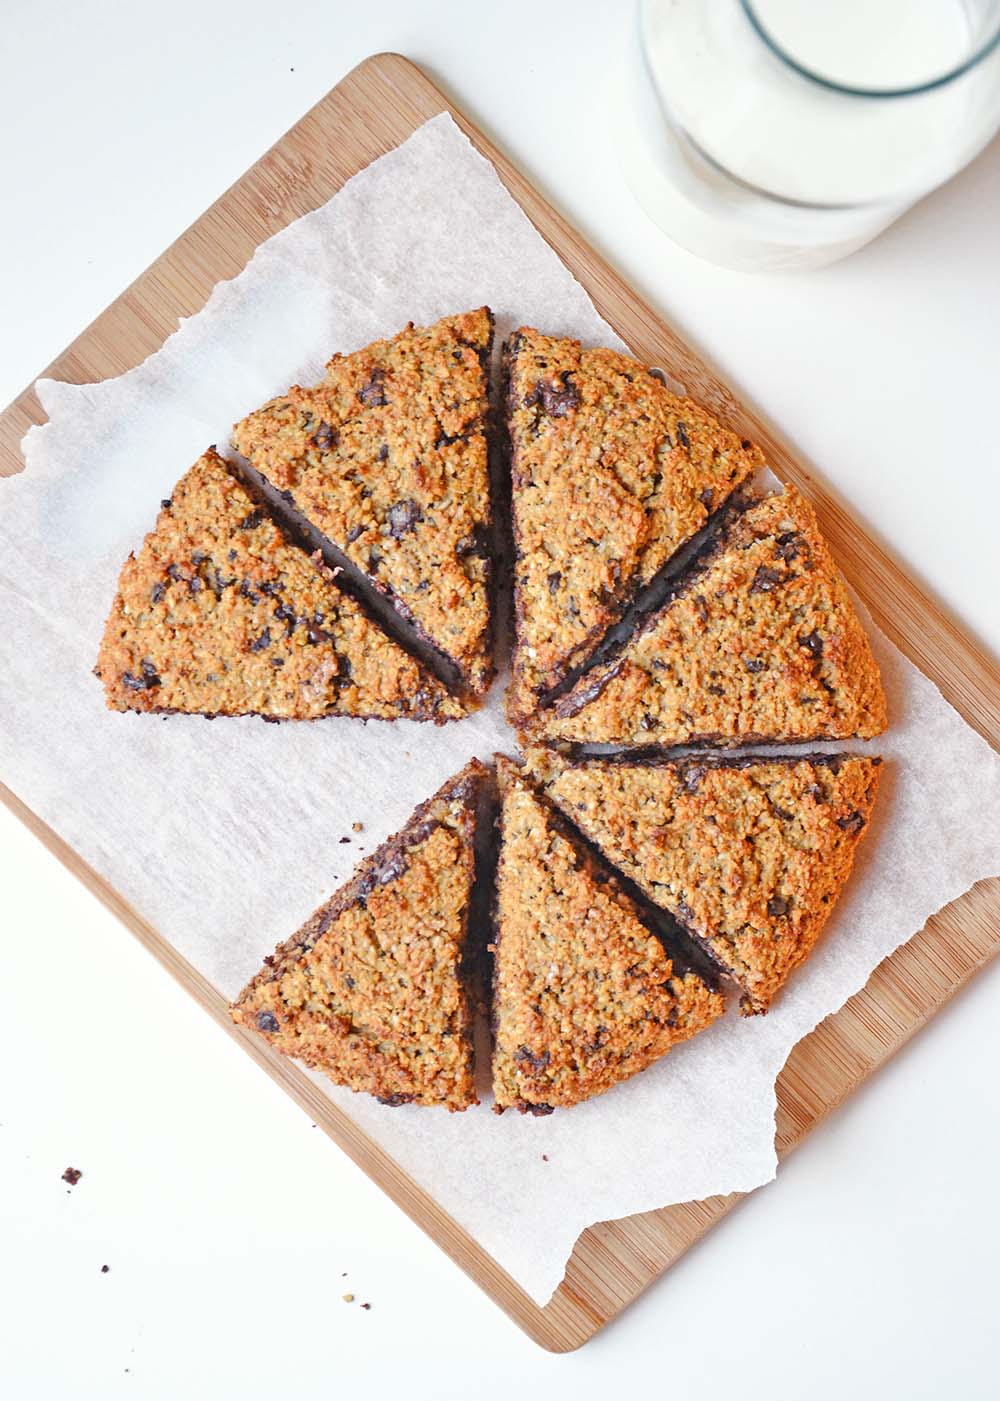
x,y
611,475
387,458
377,989
218,614
585,995
749,855
759,642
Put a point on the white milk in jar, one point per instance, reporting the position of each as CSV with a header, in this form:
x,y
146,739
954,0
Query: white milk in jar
x,y
786,133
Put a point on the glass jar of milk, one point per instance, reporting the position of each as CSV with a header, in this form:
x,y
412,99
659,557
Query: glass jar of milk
x,y
771,134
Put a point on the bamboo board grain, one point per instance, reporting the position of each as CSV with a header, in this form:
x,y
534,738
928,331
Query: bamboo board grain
x,y
372,110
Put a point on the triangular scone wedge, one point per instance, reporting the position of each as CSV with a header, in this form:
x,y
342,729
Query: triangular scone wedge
x,y
387,458
585,995
378,988
611,475
218,614
748,855
759,642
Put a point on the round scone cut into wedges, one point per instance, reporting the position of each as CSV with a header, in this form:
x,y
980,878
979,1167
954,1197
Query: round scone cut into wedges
x,y
611,474
387,458
759,642
749,855
219,614
585,994
378,988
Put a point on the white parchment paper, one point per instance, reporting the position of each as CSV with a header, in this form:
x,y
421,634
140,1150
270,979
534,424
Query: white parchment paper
x,y
226,835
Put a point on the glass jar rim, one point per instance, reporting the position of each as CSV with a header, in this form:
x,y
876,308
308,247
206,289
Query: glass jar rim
x,y
910,90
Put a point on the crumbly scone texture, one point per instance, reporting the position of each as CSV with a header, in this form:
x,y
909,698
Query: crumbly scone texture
x,y
387,456
761,643
750,856
219,614
375,990
611,474
584,995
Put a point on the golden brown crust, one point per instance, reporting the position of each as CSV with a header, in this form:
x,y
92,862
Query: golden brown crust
x,y
762,643
387,456
611,475
585,996
374,989
749,855
218,614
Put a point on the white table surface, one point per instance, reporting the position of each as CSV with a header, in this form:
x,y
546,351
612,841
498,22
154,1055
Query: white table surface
x,y
231,1226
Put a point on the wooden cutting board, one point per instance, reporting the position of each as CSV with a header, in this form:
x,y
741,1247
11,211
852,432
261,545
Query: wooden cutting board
x,y
376,107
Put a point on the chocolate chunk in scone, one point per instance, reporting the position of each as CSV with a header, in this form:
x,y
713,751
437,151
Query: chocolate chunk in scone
x,y
378,988
387,458
759,642
611,475
585,993
749,855
219,614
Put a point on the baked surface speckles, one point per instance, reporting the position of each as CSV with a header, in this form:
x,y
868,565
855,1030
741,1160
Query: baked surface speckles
x,y
375,990
218,614
387,457
749,855
761,643
584,995
611,475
